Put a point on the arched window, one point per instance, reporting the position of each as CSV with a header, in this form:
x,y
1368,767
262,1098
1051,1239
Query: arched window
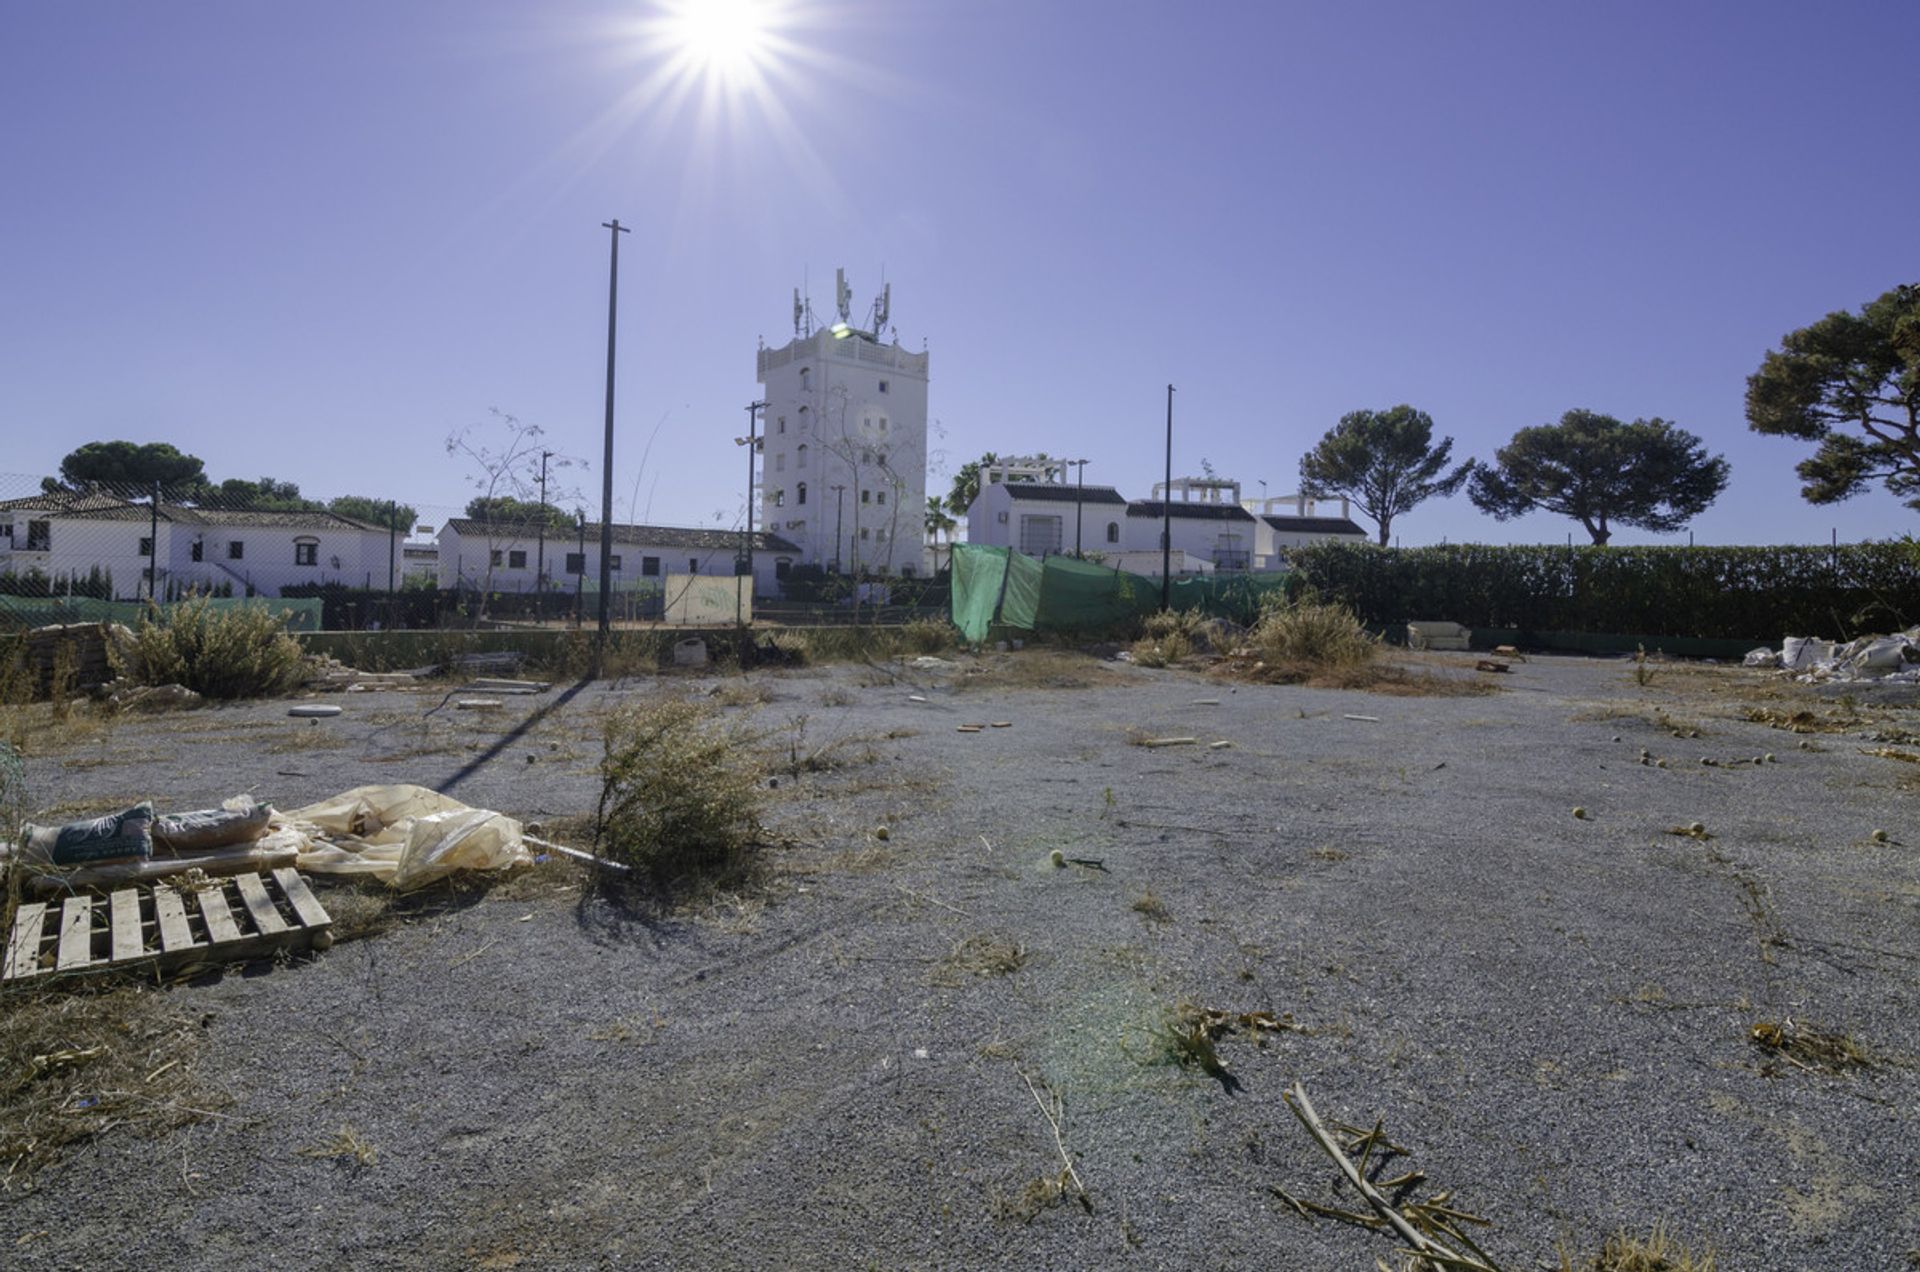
x,y
800,494
1113,532
800,458
804,386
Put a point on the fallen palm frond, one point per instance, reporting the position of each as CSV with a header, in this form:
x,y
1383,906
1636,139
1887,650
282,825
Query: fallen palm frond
x,y
1809,1047
1190,1034
1051,1190
1433,1229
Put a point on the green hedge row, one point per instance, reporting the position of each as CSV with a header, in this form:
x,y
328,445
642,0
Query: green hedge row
x,y
1758,594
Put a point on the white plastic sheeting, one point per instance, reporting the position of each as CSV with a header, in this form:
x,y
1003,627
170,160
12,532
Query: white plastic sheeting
x,y
1895,657
405,835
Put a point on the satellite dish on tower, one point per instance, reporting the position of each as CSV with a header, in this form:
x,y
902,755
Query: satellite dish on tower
x,y
843,295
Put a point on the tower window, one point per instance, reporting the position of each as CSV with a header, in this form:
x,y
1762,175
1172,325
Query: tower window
x,y
804,372
800,494
883,386
783,423
779,498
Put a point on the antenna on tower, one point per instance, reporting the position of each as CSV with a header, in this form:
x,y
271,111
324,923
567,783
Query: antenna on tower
x,y
799,311
843,295
882,310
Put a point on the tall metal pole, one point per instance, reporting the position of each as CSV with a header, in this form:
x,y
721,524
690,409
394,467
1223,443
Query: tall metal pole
x,y
1166,516
606,460
153,548
746,538
1079,495
540,563
839,511
393,535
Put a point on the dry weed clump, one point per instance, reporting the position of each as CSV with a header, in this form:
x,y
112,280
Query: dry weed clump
x,y
1809,1047
679,797
1323,645
347,1146
981,955
73,1066
241,652
1171,637
1658,1251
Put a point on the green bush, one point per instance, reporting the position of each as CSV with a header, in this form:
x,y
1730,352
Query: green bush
x,y
1751,593
238,652
679,796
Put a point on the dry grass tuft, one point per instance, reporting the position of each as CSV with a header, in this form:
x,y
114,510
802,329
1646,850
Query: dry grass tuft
x,y
743,691
1324,646
74,1065
981,955
1809,1047
346,1146
1658,1251
1152,908
243,652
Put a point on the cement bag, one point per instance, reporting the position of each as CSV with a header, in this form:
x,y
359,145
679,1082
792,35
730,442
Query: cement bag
x,y
405,835
124,836
238,821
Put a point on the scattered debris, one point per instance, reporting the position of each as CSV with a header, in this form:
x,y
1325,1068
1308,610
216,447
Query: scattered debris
x,y
970,728
1809,1047
205,922
477,704
1003,724
1168,741
494,685
313,711
124,696
1811,661
1489,664
1365,719
1433,1229
1221,745
405,835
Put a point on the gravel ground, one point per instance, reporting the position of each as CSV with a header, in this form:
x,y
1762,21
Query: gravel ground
x,y
1551,1013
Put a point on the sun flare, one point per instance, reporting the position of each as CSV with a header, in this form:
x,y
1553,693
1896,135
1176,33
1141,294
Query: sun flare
x,y
729,39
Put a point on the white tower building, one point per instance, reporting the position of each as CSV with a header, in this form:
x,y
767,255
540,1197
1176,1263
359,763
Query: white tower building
x,y
843,465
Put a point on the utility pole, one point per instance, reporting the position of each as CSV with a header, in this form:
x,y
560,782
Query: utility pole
x,y
606,461
540,563
1079,494
746,538
393,536
153,548
1166,516
839,511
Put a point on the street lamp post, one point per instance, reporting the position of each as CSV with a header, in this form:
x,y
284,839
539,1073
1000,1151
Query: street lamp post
x,y
1079,495
1166,516
540,563
606,462
750,441
839,510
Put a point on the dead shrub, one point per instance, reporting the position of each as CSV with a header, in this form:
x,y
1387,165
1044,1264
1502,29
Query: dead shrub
x,y
981,955
238,652
1656,1252
679,797
929,636
1319,634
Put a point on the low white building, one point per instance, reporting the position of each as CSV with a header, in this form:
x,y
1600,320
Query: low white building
x,y
498,557
1291,521
1026,505
68,537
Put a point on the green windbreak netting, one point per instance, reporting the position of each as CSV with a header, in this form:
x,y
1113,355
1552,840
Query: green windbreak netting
x,y
303,615
978,575
995,586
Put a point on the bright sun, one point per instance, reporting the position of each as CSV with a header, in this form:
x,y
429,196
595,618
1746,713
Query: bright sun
x,y
728,39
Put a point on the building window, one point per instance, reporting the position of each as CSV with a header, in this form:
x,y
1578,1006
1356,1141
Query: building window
x,y
800,459
804,373
1003,518
883,423
493,557
517,559
39,536
576,563
780,463
866,496
197,550
865,533
1039,535
866,457
613,562
236,550
883,386
906,572
782,567
881,497
800,494
146,546
693,565
650,567
1113,532
779,498
783,423
306,552
880,536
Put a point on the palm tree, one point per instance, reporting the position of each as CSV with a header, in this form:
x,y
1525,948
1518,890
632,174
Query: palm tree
x,y
939,522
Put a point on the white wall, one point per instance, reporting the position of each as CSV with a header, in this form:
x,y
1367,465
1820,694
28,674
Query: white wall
x,y
464,562
827,422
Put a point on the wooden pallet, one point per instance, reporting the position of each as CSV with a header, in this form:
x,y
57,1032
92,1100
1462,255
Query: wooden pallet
x,y
159,925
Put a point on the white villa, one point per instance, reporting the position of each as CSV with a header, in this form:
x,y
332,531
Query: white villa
x,y
1026,504
67,537
843,458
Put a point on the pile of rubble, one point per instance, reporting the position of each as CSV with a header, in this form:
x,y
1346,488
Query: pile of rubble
x,y
327,674
1893,658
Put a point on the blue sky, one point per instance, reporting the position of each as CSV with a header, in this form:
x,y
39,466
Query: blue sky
x,y
311,241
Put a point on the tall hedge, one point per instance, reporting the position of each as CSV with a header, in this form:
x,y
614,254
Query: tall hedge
x,y
1757,594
